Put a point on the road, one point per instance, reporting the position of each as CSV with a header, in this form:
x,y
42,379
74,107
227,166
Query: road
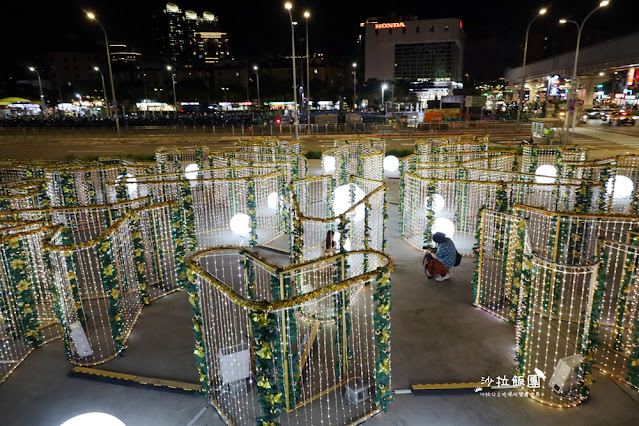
x,y
603,140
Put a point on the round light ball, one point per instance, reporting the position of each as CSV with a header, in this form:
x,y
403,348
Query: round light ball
x,y
328,164
272,201
347,242
240,224
94,419
391,163
131,185
190,172
444,225
438,203
545,174
342,200
620,186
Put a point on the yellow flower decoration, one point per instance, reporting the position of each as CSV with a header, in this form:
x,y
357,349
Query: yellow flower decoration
x,y
383,308
13,243
261,319
385,336
27,310
199,352
384,367
118,317
108,271
274,399
71,275
23,285
193,299
264,383
384,280
18,264
142,286
265,352
104,246
114,293
137,235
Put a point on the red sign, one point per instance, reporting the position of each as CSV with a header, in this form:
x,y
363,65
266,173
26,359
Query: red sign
x,y
390,25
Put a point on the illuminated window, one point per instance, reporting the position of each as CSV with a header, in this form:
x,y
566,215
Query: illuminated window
x,y
315,71
432,28
446,28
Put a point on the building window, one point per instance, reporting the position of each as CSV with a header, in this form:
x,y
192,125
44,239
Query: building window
x,y
417,29
432,28
376,32
390,31
404,30
429,61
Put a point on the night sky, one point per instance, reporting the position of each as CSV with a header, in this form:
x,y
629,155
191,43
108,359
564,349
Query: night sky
x,y
258,29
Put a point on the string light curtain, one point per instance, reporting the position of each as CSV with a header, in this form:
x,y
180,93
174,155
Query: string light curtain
x,y
293,345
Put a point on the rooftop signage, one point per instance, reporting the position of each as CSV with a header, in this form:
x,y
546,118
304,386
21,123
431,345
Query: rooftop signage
x,y
390,25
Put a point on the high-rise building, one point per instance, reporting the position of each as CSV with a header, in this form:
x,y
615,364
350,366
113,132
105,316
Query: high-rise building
x,y
415,50
188,40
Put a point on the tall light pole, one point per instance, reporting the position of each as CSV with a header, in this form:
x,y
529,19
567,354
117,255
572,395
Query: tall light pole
x,y
307,15
257,76
169,68
354,86
384,87
33,69
106,101
288,7
115,102
522,89
573,81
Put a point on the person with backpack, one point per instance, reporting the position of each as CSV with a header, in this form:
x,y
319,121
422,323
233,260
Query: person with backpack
x,y
438,262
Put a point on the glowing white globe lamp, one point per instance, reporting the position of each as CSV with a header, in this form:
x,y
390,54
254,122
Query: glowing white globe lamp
x,y
391,163
347,243
190,172
438,203
328,164
240,224
545,174
131,185
444,225
272,201
94,419
342,200
620,186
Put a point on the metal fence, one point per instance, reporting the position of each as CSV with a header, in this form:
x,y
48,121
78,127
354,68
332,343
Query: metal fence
x,y
247,130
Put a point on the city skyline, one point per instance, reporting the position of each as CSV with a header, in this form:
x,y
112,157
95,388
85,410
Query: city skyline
x,y
260,31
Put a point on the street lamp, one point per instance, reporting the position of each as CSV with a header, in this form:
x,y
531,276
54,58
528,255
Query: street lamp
x,y
288,7
521,89
354,85
92,17
384,87
106,102
169,68
257,75
573,81
307,15
32,69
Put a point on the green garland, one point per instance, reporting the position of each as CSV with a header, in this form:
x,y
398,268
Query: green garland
x,y
477,294
21,287
138,259
110,284
633,358
343,171
251,206
381,319
298,240
121,188
196,324
590,346
385,219
622,298
604,197
199,158
186,207
66,238
525,281
67,183
430,213
177,234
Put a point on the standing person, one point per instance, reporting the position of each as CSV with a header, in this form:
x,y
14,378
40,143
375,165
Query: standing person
x,y
437,263
329,247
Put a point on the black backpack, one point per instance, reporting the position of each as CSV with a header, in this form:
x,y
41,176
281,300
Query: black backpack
x,y
458,258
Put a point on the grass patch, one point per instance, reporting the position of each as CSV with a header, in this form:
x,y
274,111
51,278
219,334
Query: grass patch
x,y
71,158
519,150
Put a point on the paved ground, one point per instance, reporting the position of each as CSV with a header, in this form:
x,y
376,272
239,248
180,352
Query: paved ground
x,y
438,336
